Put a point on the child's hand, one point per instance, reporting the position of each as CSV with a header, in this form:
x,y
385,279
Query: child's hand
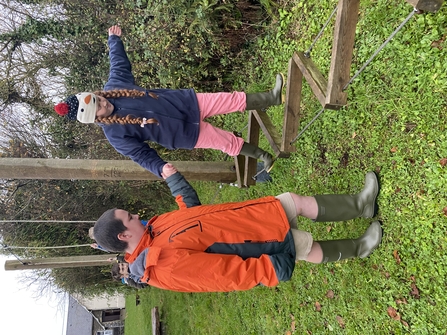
x,y
115,30
168,170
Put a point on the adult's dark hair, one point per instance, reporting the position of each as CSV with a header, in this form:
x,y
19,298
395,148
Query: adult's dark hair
x,y
106,232
115,272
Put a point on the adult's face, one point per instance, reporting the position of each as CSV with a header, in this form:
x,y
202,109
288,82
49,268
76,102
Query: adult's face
x,y
134,229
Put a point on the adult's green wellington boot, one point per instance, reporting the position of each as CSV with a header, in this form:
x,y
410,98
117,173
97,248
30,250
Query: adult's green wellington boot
x,y
341,207
253,151
263,100
361,247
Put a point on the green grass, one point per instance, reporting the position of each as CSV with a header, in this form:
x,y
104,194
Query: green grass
x,y
138,318
394,124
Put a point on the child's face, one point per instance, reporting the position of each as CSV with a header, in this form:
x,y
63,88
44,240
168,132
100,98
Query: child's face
x,y
103,107
124,270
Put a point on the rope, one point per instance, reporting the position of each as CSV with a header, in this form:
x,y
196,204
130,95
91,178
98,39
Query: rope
x,y
307,53
55,247
7,248
44,221
307,126
362,68
381,47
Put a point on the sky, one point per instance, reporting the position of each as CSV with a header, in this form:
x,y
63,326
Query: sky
x,y
21,313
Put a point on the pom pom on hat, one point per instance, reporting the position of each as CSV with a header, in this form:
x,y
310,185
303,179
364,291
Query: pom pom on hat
x,y
61,108
68,108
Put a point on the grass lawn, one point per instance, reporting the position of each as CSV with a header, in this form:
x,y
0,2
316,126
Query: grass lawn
x,y
394,124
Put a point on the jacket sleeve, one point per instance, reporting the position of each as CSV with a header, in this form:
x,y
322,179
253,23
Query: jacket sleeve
x,y
140,152
284,265
206,272
183,192
148,158
120,67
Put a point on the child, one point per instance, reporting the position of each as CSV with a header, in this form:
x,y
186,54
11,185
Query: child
x,y
120,272
235,246
130,115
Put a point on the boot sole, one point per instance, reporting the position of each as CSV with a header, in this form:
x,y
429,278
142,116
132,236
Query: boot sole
x,y
283,96
375,207
378,226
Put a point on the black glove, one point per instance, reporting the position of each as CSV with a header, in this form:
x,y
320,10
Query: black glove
x,y
132,283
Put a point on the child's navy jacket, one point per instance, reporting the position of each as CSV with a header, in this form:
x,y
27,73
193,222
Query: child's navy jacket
x,y
177,113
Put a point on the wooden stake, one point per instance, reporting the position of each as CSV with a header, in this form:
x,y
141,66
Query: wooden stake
x,y
58,262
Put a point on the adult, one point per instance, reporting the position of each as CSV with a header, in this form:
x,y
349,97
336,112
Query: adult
x,y
235,246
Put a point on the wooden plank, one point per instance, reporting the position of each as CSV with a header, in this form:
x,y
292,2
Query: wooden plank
x,y
155,316
342,49
291,121
57,262
270,133
89,169
313,76
253,138
239,164
426,5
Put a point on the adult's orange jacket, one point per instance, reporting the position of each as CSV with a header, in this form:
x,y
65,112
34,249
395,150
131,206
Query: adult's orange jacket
x,y
215,248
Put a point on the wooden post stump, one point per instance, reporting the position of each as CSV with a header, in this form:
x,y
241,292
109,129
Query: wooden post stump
x,y
155,321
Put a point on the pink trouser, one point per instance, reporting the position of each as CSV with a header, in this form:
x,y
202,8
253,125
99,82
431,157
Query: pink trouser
x,y
211,137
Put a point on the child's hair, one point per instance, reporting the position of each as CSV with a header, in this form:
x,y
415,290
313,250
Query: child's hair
x,y
124,93
106,232
108,120
119,93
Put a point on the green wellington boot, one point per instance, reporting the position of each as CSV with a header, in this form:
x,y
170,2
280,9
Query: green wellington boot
x,y
361,247
260,101
253,151
341,207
